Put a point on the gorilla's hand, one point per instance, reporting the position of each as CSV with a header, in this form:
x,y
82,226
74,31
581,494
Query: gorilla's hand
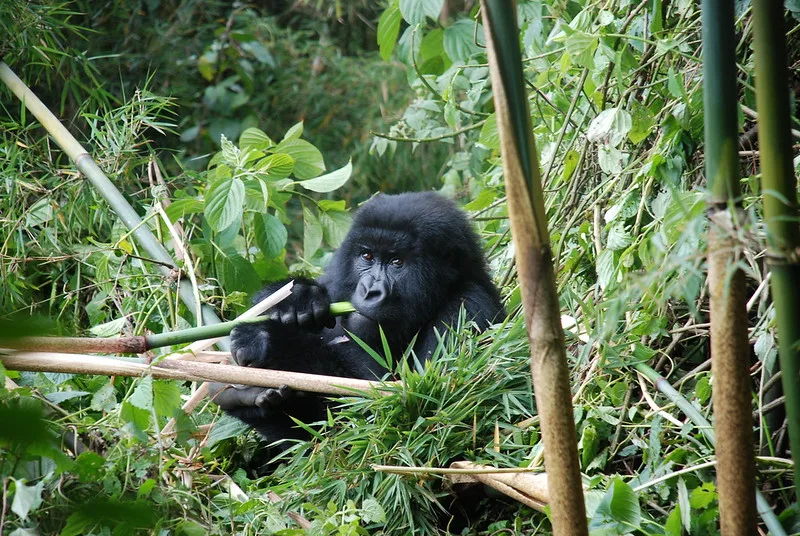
x,y
308,307
230,397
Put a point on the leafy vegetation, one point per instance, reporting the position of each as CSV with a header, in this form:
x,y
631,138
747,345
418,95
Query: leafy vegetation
x,y
213,121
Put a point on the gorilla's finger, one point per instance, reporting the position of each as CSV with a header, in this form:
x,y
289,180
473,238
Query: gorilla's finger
x,y
249,346
229,396
305,320
289,318
273,398
322,314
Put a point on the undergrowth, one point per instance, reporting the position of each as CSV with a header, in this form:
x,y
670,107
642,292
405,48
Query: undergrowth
x,y
616,102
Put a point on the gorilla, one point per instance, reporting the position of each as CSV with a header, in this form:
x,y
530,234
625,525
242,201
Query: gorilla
x,y
409,264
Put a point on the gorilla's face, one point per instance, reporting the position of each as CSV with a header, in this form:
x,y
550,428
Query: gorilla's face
x,y
394,282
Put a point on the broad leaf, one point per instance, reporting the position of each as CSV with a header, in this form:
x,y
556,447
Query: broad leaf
x,y
388,29
254,138
142,396
312,233
415,11
271,235
224,203
459,40
330,181
277,166
308,162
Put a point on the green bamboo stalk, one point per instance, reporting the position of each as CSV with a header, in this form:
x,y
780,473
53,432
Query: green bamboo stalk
x,y
764,509
143,343
730,351
780,202
123,209
535,268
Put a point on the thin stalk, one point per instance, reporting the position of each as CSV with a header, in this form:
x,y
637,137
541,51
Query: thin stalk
x,y
178,369
141,344
730,350
764,509
123,209
535,267
780,202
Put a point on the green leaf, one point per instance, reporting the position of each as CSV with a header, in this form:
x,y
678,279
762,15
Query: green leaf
x,y
388,29
703,388
570,163
415,11
277,166
105,398
254,138
166,397
335,225
295,132
270,234
207,65
308,161
312,233
226,427
642,122
330,181
236,273
26,498
610,127
142,396
89,467
372,511
701,497
618,511
224,203
432,45
606,269
181,207
588,443
459,40
138,420
618,237
488,136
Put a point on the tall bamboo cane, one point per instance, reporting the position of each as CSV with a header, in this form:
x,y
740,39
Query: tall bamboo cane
x,y
780,202
535,267
123,209
730,352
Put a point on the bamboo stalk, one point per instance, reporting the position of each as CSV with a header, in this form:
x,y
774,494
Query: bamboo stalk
x,y
730,351
534,267
123,209
142,343
175,369
780,202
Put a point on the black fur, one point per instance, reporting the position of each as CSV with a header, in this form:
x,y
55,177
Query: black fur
x,y
408,264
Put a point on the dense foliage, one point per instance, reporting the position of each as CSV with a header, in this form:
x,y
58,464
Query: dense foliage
x,y
213,120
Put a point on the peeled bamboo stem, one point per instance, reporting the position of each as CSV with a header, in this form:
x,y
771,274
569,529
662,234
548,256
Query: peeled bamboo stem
x,y
174,369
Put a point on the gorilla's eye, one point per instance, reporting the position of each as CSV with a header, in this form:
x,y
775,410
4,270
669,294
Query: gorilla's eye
x,y
397,261
367,256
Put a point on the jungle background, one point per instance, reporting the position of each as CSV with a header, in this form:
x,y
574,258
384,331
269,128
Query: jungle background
x,y
172,98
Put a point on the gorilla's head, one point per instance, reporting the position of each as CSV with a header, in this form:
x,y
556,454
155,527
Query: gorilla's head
x,y
403,257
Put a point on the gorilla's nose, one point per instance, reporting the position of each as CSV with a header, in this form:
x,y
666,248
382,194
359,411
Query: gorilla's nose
x,y
371,293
